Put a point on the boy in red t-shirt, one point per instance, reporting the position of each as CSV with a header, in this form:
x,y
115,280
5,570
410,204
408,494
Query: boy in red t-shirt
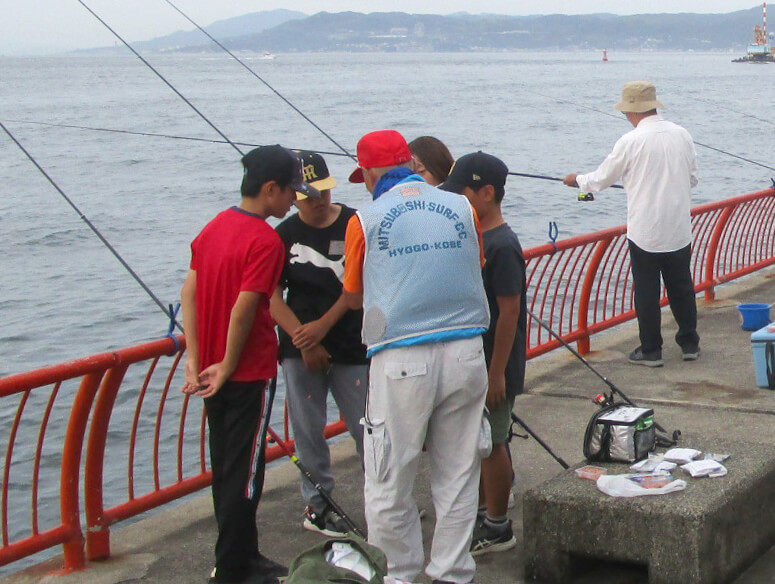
x,y
236,262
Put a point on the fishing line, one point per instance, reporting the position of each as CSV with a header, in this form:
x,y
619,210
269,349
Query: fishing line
x,y
93,228
257,76
735,156
582,106
160,76
156,135
726,107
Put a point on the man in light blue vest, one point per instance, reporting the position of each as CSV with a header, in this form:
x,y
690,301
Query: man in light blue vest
x,y
413,259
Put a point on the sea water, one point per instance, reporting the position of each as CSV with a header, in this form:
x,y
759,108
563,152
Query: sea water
x,y
64,296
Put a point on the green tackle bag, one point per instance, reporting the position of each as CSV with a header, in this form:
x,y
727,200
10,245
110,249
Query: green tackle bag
x,y
313,566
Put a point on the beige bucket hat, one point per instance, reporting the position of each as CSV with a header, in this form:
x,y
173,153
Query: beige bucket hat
x,y
638,97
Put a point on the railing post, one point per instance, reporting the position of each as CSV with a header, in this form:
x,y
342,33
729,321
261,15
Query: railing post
x,y
97,532
710,260
71,462
590,276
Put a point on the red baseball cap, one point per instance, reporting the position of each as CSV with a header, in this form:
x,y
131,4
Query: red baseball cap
x,y
378,150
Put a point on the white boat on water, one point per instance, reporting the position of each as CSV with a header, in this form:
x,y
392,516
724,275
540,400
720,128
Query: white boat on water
x,y
267,56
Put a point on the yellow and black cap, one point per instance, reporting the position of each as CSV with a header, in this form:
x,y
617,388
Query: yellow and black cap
x,y
314,172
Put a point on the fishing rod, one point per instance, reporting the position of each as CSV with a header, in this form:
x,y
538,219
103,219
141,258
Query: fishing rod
x,y
599,111
517,420
261,79
157,135
610,384
265,428
160,76
248,144
544,177
212,141
318,487
96,231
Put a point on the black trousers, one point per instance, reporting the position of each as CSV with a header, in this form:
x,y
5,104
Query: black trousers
x,y
234,417
676,273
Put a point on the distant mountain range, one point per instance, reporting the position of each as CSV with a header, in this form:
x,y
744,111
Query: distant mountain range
x,y
290,31
223,30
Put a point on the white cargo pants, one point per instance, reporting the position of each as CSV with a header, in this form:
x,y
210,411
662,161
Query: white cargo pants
x,y
430,395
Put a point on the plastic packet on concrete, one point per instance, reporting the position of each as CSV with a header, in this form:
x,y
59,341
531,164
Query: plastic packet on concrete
x,y
623,486
654,463
681,455
344,555
705,468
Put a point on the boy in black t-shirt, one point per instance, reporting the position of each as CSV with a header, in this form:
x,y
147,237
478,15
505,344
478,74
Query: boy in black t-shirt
x,y
482,178
320,338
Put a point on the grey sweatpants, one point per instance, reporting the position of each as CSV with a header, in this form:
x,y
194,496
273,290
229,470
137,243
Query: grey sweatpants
x,y
306,393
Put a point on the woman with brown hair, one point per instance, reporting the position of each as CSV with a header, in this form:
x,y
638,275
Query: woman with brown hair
x,y
432,159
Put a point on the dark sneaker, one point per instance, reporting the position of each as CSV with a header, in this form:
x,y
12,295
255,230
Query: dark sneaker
x,y
492,539
651,359
690,353
326,522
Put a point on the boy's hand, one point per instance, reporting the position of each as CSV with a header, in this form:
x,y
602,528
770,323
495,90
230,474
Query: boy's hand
x,y
211,380
316,358
309,334
496,391
191,383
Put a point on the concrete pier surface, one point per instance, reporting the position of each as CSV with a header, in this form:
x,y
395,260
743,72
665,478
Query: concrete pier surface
x,y
715,396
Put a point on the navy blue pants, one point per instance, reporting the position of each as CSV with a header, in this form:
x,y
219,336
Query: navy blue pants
x,y
676,273
234,417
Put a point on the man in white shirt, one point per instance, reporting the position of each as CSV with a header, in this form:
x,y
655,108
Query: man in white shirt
x,y
657,165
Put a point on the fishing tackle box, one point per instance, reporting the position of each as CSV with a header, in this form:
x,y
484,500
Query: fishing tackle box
x,y
763,345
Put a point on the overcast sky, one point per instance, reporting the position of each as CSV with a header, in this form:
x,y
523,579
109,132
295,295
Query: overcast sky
x,y
35,26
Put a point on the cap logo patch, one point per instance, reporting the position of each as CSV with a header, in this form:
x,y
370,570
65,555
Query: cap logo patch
x,y
309,173
476,177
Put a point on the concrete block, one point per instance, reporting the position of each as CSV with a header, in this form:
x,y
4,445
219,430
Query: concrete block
x,y
707,534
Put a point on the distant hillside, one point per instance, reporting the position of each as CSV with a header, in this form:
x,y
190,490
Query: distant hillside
x,y
248,24
397,31
290,31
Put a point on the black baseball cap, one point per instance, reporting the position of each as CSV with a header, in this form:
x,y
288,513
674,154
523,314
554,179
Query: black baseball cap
x,y
267,163
476,170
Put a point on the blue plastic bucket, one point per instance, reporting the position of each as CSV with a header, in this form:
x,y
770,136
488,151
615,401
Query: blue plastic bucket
x,y
755,315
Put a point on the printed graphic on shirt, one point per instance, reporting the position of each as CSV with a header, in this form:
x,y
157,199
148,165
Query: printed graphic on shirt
x,y
302,254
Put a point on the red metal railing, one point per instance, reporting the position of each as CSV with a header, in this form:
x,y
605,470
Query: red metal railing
x,y
581,286
129,402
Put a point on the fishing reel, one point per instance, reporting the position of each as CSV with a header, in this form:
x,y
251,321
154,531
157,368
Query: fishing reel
x,y
585,197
